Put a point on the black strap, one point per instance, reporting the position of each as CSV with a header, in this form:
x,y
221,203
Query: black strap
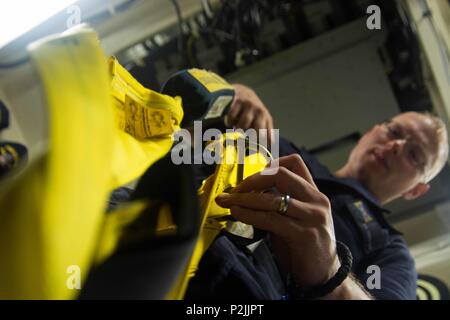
x,y
346,258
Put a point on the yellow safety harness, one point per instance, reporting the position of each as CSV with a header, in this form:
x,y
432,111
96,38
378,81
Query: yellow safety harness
x,y
105,130
229,172
51,215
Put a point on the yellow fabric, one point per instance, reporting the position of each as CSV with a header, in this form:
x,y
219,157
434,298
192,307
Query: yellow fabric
x,y
224,178
105,130
114,225
116,222
52,215
138,146
424,287
211,81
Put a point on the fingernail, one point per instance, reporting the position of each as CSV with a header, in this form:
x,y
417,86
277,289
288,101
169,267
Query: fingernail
x,y
222,198
228,190
270,171
238,187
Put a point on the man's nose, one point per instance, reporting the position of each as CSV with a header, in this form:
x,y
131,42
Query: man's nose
x,y
396,145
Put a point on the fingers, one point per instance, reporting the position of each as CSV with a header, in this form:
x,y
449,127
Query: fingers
x,y
295,164
259,122
237,105
248,111
292,163
269,124
256,201
234,111
245,118
270,203
285,181
279,225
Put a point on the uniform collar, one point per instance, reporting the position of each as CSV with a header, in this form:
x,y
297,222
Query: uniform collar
x,y
322,173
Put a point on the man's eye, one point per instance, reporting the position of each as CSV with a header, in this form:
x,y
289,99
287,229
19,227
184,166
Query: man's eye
x,y
415,159
394,133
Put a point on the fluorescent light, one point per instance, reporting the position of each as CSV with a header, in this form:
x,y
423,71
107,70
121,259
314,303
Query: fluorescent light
x,y
20,16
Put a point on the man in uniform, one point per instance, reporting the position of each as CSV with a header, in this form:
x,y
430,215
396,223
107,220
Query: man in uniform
x,y
326,231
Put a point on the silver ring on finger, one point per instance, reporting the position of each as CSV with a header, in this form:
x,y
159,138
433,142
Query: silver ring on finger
x,y
284,204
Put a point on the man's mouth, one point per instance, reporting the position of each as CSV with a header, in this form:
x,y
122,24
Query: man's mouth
x,y
380,159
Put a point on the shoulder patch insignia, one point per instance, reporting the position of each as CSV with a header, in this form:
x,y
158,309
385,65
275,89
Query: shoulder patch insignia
x,y
361,207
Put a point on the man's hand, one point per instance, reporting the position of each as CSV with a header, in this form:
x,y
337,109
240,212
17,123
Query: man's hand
x,y
248,111
303,237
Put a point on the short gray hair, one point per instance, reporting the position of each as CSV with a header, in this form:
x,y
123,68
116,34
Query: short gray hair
x,y
442,147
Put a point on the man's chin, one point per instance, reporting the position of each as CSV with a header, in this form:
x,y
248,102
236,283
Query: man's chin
x,y
369,174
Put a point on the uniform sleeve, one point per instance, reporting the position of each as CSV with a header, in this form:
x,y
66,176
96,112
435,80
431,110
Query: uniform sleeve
x,y
398,276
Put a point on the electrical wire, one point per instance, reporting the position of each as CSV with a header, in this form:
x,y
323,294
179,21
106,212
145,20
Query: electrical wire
x,y
181,50
207,8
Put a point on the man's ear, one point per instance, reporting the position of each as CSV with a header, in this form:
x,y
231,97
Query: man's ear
x,y
419,190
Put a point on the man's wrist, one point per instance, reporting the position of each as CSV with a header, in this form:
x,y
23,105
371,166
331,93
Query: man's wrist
x,y
340,292
350,289
322,290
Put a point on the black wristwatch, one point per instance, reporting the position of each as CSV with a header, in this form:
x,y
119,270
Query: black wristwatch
x,y
346,259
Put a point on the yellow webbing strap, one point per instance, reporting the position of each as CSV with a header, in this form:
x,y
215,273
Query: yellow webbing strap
x,y
146,121
225,177
211,81
50,216
114,225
